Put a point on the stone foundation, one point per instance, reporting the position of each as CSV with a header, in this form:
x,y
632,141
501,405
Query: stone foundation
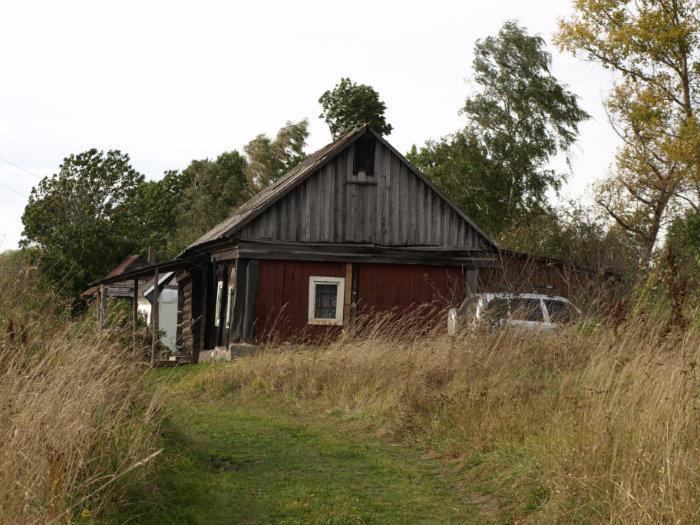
x,y
221,353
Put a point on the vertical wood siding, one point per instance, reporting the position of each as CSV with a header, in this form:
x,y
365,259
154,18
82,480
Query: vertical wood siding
x,y
400,289
189,287
282,299
395,209
281,306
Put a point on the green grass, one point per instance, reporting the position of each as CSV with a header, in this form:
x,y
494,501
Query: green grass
x,y
227,461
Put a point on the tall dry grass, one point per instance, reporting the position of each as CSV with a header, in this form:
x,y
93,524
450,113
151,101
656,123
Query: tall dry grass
x,y
77,421
578,426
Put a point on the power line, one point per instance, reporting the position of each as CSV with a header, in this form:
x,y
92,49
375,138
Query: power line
x,y
14,190
20,167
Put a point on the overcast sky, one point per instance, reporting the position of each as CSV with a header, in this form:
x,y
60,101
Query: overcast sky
x,y
168,82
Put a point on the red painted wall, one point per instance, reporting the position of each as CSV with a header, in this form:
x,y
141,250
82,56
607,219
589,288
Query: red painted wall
x,y
282,303
400,288
282,300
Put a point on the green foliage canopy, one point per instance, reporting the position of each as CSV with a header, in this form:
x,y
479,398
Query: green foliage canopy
x,y
269,159
211,191
81,218
349,105
155,210
520,117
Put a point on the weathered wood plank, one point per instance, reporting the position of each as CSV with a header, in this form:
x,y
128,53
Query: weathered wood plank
x,y
339,219
394,208
155,315
386,213
362,253
395,197
405,205
347,294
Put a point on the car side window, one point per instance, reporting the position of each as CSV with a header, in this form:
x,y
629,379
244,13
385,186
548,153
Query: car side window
x,y
526,310
559,311
496,310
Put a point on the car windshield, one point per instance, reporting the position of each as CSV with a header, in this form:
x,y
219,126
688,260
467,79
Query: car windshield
x,y
526,310
560,311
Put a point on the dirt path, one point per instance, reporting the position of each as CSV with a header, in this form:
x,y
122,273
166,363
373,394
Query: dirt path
x,y
248,464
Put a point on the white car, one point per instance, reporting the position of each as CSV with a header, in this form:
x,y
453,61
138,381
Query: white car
x,y
530,311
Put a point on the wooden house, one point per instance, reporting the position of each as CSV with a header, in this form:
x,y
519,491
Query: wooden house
x,y
352,230
518,272
117,288
140,292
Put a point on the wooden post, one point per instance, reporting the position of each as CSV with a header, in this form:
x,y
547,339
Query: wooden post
x,y
154,307
102,312
471,281
252,282
203,316
135,316
347,295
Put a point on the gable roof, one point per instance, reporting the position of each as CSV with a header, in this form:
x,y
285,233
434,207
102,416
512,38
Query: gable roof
x,y
165,281
273,193
130,262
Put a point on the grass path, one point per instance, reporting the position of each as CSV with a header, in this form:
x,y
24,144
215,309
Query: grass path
x,y
227,463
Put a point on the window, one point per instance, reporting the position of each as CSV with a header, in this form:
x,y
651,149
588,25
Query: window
x,y
326,300
526,310
219,293
363,158
229,304
496,311
559,311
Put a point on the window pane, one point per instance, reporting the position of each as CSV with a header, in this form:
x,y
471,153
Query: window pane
x,y
559,311
325,300
496,310
526,310
219,292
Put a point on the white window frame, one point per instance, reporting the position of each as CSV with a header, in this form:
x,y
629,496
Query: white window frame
x,y
339,299
229,304
219,293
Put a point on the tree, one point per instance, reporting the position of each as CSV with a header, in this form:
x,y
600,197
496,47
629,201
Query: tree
x,y
521,114
649,183
459,165
653,47
212,191
155,209
573,233
349,105
519,118
269,159
80,218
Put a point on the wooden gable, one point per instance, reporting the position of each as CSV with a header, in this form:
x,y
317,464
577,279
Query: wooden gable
x,y
395,206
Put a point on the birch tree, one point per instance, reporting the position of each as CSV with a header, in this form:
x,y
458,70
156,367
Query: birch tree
x,y
652,46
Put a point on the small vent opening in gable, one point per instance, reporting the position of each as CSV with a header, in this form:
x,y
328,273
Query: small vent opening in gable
x,y
363,156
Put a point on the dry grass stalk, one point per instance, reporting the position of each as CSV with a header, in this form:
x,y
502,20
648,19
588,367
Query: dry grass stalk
x,y
74,413
604,428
